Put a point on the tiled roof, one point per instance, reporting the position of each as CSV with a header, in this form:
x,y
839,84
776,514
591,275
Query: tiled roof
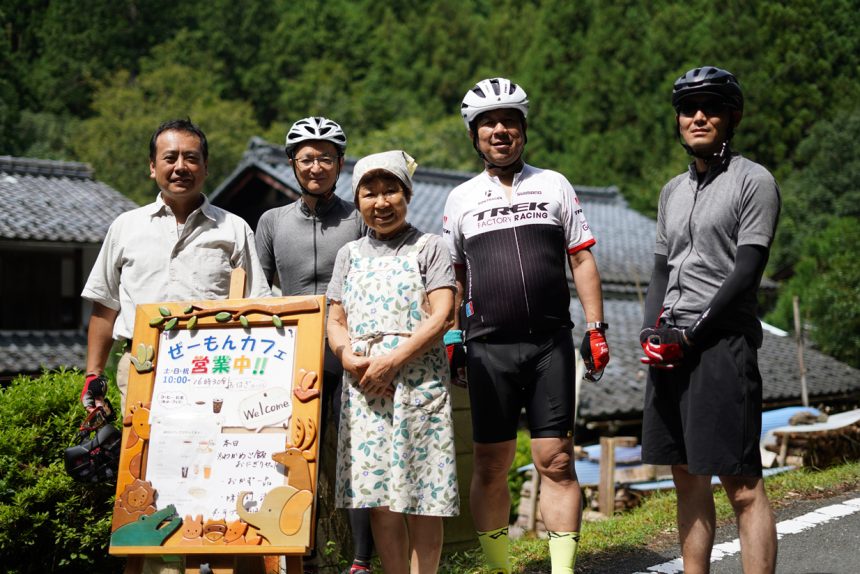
x,y
31,351
621,392
46,200
625,256
625,238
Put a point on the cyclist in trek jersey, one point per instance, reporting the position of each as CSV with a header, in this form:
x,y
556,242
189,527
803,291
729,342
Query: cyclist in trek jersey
x,y
511,231
298,244
702,414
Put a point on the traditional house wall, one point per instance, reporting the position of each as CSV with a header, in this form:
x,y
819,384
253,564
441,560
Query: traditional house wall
x,y
53,218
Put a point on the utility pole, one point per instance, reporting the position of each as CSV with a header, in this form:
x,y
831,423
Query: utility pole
x,y
798,330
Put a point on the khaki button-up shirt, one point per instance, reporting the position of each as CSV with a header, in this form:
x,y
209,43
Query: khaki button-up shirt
x,y
147,258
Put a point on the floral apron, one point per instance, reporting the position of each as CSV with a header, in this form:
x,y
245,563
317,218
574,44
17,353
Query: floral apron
x,y
395,452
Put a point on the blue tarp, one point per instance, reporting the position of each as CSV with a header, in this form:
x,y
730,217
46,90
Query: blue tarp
x,y
664,484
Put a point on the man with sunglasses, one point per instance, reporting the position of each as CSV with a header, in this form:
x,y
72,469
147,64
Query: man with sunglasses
x,y
512,231
298,243
702,414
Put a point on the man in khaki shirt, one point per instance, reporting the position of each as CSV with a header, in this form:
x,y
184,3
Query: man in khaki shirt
x,y
178,248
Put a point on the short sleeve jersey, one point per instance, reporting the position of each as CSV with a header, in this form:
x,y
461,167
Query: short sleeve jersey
x,y
699,228
515,252
301,246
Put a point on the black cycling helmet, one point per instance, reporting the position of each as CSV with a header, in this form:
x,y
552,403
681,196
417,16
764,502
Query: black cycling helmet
x,y
709,80
713,81
96,456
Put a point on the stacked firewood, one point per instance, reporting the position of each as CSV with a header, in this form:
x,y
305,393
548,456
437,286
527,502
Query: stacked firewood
x,y
817,448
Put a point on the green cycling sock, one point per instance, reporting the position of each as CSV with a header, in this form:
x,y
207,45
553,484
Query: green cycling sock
x,y
495,544
562,551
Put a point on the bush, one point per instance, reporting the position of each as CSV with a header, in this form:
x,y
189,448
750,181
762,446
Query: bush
x,y
48,522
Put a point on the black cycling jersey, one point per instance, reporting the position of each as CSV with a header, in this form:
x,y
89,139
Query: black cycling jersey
x,y
515,251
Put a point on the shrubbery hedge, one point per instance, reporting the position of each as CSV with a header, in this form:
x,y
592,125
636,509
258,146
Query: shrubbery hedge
x,y
48,522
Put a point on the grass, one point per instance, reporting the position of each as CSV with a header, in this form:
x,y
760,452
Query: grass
x,y
653,523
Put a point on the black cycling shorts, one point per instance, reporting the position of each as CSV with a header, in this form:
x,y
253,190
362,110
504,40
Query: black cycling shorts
x,y
535,372
706,413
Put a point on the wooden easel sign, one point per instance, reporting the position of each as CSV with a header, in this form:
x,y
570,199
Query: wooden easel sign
x,y
220,437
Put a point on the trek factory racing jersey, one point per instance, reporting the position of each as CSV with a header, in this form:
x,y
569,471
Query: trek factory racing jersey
x,y
515,252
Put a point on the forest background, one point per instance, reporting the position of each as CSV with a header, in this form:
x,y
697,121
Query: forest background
x,y
89,80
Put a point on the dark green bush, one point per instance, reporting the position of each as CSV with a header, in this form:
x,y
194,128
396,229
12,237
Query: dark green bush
x,y
48,522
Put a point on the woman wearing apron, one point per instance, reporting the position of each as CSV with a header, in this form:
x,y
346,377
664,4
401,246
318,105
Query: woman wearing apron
x,y
392,298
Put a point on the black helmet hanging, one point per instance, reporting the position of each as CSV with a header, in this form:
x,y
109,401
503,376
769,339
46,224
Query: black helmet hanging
x,y
95,457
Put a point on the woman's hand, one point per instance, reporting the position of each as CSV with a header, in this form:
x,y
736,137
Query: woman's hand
x,y
379,376
356,365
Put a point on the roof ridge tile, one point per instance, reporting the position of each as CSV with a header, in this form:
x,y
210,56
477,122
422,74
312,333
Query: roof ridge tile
x,y
45,167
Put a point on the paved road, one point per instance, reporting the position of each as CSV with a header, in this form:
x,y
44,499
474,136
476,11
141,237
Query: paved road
x,y
816,537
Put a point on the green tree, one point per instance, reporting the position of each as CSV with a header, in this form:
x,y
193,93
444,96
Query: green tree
x,y
827,280
799,74
116,140
819,235
287,79
78,45
826,184
46,135
432,144
9,105
233,34
599,74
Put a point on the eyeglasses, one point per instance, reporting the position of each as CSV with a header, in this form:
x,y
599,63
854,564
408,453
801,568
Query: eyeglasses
x,y
707,107
324,161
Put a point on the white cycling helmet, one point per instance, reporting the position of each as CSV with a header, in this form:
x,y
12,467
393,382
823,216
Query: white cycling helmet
x,y
493,94
315,128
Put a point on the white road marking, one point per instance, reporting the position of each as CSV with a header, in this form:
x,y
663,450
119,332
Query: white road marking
x,y
792,526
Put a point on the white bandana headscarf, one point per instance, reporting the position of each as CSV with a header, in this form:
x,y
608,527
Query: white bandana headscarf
x,y
396,162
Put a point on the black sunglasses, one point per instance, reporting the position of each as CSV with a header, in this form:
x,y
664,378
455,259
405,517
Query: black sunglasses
x,y
707,107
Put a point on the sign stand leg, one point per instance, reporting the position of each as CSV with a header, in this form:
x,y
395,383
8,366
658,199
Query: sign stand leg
x,y
222,564
133,565
294,564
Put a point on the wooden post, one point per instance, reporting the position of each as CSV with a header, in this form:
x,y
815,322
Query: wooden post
x,y
606,488
533,501
783,451
237,283
798,330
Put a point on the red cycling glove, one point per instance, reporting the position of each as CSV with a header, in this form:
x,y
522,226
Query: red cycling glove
x,y
94,391
664,346
595,354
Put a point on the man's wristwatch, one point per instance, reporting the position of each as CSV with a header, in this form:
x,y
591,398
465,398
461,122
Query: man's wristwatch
x,y
596,326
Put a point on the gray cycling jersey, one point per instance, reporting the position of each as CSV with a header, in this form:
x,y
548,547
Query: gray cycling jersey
x,y
302,246
700,225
